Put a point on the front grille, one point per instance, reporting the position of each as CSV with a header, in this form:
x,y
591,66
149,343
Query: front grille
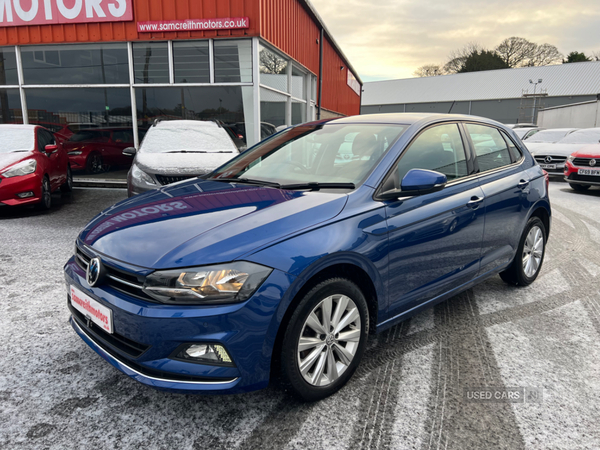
x,y
541,159
585,162
116,341
117,279
168,179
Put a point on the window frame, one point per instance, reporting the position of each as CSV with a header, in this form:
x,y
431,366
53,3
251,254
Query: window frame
x,y
469,158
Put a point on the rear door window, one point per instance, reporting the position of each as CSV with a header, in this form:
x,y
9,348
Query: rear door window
x,y
491,149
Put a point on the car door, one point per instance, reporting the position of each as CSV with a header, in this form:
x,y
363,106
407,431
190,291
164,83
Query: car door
x,y
434,239
52,159
120,140
505,186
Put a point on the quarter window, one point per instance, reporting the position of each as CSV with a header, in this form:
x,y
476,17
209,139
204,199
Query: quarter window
x,y
438,148
490,148
514,150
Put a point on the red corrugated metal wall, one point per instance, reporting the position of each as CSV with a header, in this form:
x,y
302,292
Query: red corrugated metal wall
x,y
289,26
143,10
285,23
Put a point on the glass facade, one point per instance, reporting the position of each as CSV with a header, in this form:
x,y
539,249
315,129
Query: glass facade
x,y
75,64
71,87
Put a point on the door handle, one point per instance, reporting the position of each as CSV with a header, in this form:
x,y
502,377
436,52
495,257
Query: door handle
x,y
475,202
523,184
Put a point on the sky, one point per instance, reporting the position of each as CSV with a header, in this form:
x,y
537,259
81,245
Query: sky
x,y
390,39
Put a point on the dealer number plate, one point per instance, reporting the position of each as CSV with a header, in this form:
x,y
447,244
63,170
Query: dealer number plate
x,y
592,172
548,166
92,310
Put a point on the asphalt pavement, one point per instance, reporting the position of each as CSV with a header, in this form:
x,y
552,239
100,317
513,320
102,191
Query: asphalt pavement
x,y
494,367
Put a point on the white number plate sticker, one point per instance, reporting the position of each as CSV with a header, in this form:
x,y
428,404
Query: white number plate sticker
x,y
593,172
548,166
90,308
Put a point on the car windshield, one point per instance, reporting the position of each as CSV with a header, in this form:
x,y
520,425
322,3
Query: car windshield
x,y
548,136
335,153
521,132
589,136
197,137
15,140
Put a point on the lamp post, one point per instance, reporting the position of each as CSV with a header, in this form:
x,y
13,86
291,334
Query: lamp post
x,y
533,119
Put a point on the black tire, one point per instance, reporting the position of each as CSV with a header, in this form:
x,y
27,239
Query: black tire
x,y
290,355
579,187
93,163
46,200
515,273
68,185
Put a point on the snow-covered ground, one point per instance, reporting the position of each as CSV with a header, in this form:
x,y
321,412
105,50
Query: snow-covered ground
x,y
409,392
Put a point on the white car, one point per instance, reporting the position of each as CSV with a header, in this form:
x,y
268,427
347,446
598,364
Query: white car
x,y
176,150
552,156
526,132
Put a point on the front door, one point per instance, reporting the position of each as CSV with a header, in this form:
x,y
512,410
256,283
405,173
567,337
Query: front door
x,y
434,239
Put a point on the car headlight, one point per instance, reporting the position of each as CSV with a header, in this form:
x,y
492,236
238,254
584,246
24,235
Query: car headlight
x,y
571,158
23,168
75,152
139,175
224,283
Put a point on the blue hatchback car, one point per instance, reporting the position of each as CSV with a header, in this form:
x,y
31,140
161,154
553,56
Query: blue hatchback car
x,y
290,254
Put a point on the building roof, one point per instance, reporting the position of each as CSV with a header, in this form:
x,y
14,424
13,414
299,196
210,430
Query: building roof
x,y
558,80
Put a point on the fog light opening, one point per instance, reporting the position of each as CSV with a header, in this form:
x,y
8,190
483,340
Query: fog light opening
x,y
25,194
213,354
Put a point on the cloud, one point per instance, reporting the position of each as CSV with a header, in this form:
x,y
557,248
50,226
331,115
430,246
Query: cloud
x,y
390,39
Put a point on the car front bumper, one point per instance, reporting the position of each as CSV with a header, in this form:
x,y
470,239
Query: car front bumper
x,y
11,187
571,175
246,330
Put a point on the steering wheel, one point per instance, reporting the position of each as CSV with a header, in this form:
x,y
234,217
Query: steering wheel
x,y
298,165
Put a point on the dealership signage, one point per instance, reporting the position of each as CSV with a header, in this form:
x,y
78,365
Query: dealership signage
x,y
43,12
230,23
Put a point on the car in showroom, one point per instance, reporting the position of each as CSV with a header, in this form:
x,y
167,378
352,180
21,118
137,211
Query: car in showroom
x,y
582,169
96,150
552,156
175,150
285,259
32,166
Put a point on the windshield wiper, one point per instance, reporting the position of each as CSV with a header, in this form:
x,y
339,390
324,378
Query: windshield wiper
x,y
316,186
247,181
187,151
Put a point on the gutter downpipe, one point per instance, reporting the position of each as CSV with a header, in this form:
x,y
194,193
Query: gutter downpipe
x,y
320,74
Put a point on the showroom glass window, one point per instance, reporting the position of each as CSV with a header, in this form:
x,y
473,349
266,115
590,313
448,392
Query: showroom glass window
x,y
191,62
439,148
233,61
75,64
151,62
10,106
490,148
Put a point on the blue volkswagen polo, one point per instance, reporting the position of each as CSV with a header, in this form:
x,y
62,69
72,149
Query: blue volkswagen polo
x,y
292,253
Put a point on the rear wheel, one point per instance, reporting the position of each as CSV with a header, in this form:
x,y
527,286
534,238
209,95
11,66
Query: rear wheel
x,y
46,200
579,187
93,163
68,185
325,339
530,255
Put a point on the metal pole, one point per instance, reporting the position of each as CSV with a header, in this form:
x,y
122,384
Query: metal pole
x,y
534,99
320,74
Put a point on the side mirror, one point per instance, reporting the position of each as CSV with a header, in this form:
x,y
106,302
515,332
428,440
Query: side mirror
x,y
51,148
417,182
130,151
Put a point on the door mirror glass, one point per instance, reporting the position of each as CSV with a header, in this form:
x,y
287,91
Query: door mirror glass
x,y
130,151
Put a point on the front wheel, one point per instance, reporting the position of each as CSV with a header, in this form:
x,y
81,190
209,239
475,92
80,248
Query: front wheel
x,y
530,255
93,164
67,186
579,187
325,339
46,200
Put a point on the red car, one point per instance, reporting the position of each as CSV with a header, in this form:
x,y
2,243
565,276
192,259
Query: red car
x,y
32,166
582,168
93,150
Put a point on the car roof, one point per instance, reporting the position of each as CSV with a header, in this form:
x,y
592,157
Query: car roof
x,y
185,124
18,126
407,119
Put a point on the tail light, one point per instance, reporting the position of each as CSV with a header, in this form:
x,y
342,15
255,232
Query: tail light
x,y
547,178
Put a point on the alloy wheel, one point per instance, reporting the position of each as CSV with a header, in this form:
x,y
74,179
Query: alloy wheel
x,y
46,194
329,340
533,251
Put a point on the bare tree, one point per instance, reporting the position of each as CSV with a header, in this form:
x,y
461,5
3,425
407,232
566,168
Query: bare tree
x,y
596,55
516,51
271,63
545,54
457,58
429,70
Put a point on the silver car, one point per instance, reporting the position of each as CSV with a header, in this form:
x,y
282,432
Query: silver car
x,y
176,150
